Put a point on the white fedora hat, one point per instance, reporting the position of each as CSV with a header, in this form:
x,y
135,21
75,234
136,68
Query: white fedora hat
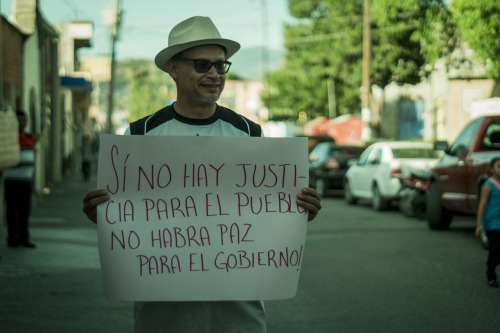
x,y
195,31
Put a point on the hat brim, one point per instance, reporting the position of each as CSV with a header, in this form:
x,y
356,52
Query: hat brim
x,y
164,55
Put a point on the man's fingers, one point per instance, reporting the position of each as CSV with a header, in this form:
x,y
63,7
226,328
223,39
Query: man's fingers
x,y
92,200
310,200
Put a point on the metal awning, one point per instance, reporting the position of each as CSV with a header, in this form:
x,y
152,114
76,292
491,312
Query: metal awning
x,y
75,82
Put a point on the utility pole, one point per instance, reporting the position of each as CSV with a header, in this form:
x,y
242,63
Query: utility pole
x,y
265,33
366,113
1,59
265,50
115,27
332,103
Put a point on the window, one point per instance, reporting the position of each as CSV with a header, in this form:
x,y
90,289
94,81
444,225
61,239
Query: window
x,y
319,152
415,153
375,157
364,157
491,139
465,140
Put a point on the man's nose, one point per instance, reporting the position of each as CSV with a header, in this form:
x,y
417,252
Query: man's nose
x,y
213,72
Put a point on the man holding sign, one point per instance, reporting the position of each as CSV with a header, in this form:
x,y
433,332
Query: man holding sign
x,y
196,59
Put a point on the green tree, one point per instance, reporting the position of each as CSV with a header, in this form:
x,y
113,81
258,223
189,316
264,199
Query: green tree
x,y
479,23
327,43
396,57
407,36
149,89
438,33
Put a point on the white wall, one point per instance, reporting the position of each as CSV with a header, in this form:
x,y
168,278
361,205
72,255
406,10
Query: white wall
x,y
31,83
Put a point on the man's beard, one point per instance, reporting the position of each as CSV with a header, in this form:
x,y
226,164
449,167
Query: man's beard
x,y
212,98
209,100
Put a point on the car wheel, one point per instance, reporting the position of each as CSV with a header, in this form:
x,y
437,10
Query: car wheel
x,y
438,217
348,197
378,202
321,187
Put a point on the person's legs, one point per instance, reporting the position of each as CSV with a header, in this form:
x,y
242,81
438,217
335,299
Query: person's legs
x,y
12,208
24,212
493,254
86,169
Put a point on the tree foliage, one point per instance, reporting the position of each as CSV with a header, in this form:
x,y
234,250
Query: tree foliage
x,y
410,35
438,33
479,23
148,90
395,56
327,43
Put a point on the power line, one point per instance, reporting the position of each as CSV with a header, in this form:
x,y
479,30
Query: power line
x,y
75,9
115,28
316,38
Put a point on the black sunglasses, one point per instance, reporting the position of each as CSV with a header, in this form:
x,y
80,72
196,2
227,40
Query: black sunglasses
x,y
203,65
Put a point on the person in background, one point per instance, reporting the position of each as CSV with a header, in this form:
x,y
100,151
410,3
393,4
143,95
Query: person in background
x,y
488,219
95,136
18,188
87,156
197,60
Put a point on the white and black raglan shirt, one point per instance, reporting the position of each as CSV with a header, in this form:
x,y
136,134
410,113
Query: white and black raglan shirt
x,y
224,122
213,316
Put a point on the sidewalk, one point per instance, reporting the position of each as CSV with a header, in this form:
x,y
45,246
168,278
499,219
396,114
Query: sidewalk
x,y
57,287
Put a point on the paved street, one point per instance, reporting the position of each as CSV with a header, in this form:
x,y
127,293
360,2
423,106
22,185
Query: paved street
x,y
362,272
366,271
57,287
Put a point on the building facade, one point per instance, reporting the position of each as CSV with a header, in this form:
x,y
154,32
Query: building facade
x,y
33,53
435,109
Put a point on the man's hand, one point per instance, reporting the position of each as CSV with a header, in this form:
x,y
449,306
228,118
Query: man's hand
x,y
92,200
310,200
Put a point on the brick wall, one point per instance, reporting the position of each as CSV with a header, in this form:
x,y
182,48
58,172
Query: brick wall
x,y
12,62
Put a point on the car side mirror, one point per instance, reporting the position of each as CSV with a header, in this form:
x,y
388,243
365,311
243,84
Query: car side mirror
x,y
461,151
441,145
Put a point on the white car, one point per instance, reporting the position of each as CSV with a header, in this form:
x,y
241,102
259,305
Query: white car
x,y
375,176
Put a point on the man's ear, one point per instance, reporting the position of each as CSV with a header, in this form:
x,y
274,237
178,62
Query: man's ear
x,y
172,69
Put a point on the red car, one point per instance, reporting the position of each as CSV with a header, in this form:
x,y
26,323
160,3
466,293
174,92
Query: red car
x,y
457,178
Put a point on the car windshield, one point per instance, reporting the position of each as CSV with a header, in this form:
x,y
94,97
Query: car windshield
x,y
415,153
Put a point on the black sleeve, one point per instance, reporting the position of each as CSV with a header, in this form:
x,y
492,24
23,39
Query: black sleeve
x,y
137,127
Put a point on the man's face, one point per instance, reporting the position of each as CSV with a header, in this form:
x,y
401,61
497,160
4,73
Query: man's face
x,y
204,88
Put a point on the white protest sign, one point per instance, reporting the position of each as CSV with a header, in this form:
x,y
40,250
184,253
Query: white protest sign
x,y
201,218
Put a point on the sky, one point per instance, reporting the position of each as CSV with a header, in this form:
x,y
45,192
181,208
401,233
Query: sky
x,y
146,23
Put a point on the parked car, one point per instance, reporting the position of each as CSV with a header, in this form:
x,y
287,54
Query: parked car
x,y
328,163
457,178
375,176
314,140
